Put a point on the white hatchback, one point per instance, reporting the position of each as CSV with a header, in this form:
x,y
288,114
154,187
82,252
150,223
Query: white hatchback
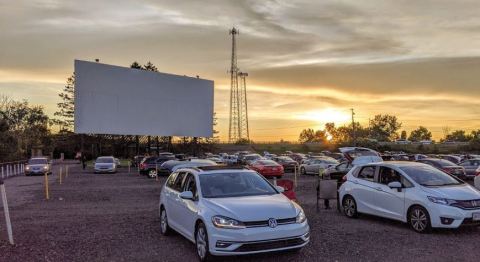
x,y
415,193
227,211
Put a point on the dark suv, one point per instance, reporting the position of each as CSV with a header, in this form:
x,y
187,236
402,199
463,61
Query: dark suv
x,y
150,165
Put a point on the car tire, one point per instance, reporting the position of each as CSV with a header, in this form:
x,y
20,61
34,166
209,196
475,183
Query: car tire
x,y
303,171
419,219
164,227
201,243
152,173
350,207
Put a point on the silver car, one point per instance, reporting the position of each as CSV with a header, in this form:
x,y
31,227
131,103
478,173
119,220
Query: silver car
x,y
313,166
105,164
38,166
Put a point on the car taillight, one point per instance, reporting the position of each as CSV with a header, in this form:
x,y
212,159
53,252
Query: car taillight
x,y
143,165
448,170
344,178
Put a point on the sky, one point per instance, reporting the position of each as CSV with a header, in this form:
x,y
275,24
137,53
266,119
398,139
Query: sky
x,y
309,62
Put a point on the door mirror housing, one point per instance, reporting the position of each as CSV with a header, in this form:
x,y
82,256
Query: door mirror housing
x,y
395,184
280,189
186,195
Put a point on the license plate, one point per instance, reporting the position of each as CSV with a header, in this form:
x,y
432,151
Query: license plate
x,y
476,216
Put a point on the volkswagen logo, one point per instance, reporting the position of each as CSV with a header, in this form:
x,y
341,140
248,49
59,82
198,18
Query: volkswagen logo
x,y
272,222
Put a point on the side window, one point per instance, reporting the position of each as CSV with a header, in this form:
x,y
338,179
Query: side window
x,y
179,182
367,173
475,163
388,175
466,163
171,180
191,185
342,166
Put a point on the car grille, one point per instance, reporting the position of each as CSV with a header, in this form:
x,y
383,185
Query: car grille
x,y
264,223
467,204
271,244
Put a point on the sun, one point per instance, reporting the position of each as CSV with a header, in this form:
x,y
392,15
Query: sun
x,y
327,115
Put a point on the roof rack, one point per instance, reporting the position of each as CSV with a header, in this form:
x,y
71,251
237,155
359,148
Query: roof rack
x,y
221,167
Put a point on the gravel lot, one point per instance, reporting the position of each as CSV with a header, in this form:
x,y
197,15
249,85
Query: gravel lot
x,y
114,218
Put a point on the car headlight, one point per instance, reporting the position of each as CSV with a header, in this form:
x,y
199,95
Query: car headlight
x,y
301,217
27,168
45,167
441,201
226,222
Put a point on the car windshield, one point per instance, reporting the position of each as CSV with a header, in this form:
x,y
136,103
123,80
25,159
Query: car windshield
x,y
238,184
38,161
426,175
104,160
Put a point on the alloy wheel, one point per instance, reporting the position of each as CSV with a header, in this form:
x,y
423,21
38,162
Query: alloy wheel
x,y
349,207
201,243
163,221
418,220
152,173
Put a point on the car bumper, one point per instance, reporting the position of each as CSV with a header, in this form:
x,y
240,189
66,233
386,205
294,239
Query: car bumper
x,y
258,239
36,172
459,217
103,170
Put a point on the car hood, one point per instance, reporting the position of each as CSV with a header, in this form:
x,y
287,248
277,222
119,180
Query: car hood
x,y
462,192
253,208
37,165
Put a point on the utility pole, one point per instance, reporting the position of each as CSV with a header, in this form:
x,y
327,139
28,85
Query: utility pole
x,y
354,136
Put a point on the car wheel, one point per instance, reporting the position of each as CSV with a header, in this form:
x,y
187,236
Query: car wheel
x,y
152,173
201,241
303,171
419,219
164,228
350,207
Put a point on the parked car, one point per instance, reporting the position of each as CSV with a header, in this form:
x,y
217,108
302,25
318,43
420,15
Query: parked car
x,y
194,163
411,192
446,166
230,159
38,166
105,164
314,165
229,212
287,163
150,165
297,157
247,159
470,166
452,158
339,171
267,168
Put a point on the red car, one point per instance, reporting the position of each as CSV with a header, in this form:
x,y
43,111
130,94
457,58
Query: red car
x,y
267,168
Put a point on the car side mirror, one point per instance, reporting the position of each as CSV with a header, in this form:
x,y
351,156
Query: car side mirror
x,y
396,185
186,195
280,189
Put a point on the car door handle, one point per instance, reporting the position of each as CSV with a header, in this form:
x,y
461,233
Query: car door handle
x,y
379,188
355,181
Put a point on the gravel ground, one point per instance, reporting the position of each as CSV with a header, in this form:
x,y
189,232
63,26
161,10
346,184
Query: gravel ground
x,y
114,218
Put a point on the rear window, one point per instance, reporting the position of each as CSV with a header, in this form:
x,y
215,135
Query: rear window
x,y
367,173
104,160
38,161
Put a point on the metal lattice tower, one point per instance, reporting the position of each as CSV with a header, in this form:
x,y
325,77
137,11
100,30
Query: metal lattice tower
x,y
238,126
243,106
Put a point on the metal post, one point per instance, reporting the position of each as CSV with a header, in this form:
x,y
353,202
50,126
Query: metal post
x,y
61,175
274,181
47,193
129,166
2,173
295,174
6,211
8,170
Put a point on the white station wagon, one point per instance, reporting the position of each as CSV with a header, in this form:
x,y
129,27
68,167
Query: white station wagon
x,y
230,211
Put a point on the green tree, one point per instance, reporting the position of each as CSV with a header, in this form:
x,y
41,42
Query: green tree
x,y
421,133
384,127
307,135
459,136
403,134
66,108
135,65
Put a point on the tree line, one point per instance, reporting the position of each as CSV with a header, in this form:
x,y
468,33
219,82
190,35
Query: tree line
x,y
381,128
